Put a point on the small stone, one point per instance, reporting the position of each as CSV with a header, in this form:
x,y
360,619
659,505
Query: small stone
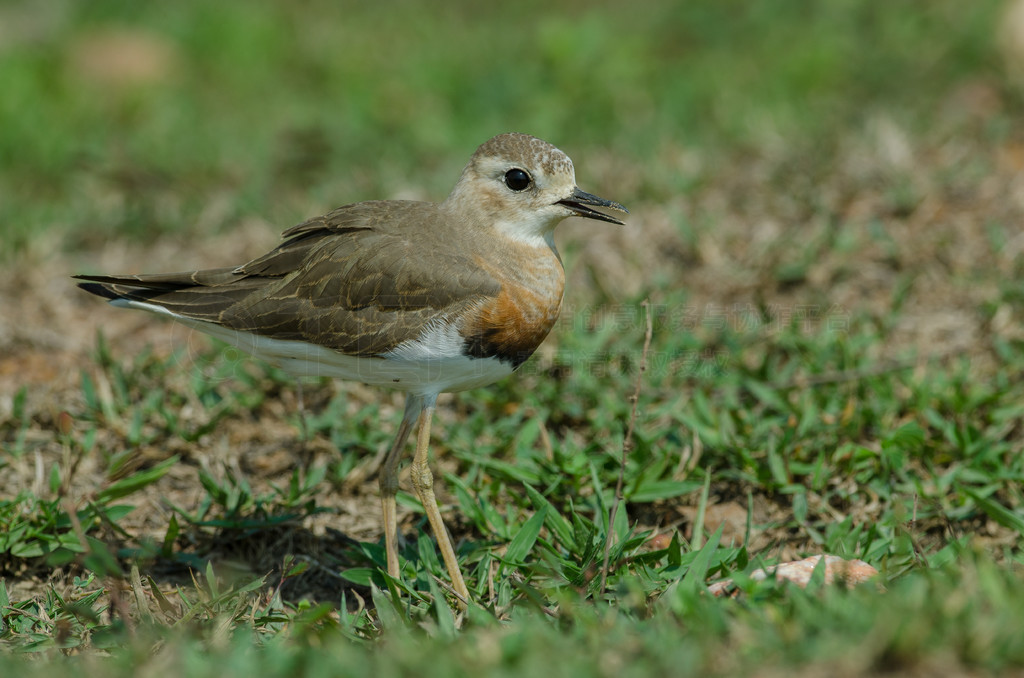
x,y
837,570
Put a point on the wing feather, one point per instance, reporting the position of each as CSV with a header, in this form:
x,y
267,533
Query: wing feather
x,y
352,281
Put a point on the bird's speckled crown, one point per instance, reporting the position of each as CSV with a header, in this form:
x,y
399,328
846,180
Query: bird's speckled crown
x,y
528,151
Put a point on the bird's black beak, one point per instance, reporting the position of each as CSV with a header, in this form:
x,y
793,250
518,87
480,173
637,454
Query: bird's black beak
x,y
579,200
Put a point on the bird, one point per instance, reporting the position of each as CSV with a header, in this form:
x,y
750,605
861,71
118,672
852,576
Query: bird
x,y
426,298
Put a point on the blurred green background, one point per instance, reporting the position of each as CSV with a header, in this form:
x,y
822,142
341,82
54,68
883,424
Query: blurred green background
x,y
125,119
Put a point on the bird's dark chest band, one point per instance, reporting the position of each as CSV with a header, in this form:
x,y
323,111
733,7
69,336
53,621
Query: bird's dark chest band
x,y
486,344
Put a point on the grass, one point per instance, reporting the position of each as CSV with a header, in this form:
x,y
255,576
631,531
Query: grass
x,y
828,242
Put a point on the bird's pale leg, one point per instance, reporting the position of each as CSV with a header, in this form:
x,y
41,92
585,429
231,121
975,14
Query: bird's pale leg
x,y
423,483
388,480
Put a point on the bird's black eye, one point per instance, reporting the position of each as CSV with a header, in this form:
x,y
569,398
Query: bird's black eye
x,y
517,179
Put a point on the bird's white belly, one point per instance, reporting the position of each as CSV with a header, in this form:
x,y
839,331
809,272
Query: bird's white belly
x,y
431,364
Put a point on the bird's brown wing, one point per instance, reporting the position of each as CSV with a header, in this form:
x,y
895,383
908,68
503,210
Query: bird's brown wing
x,y
352,280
